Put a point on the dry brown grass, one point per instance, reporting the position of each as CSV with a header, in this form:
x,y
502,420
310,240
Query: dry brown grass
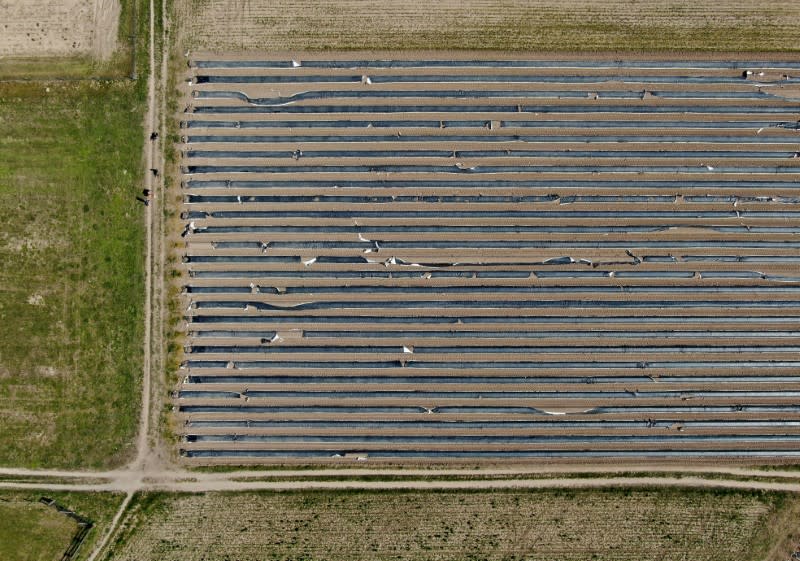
x,y
501,524
535,25
781,535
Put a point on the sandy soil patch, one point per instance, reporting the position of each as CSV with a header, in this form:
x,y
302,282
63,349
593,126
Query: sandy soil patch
x,y
58,27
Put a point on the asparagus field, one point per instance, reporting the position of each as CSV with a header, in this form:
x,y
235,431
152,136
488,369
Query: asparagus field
x,y
466,258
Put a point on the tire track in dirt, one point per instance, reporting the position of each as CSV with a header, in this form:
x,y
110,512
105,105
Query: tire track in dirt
x,y
111,528
228,484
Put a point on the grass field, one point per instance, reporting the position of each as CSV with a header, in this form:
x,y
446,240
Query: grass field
x,y
72,276
538,25
31,531
604,524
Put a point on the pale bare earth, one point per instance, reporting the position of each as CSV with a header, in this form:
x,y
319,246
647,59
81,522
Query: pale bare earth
x,y
584,25
35,28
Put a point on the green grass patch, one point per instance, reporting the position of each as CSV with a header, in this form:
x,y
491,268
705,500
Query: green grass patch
x,y
71,244
39,480
780,467
32,531
44,68
504,477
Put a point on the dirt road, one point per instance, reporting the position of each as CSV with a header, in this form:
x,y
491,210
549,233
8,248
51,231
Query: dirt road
x,y
133,481
151,183
176,479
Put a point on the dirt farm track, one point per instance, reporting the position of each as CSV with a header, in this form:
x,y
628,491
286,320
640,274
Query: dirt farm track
x,y
459,259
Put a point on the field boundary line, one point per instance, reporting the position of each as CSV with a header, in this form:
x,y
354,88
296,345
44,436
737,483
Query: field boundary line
x,y
112,527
